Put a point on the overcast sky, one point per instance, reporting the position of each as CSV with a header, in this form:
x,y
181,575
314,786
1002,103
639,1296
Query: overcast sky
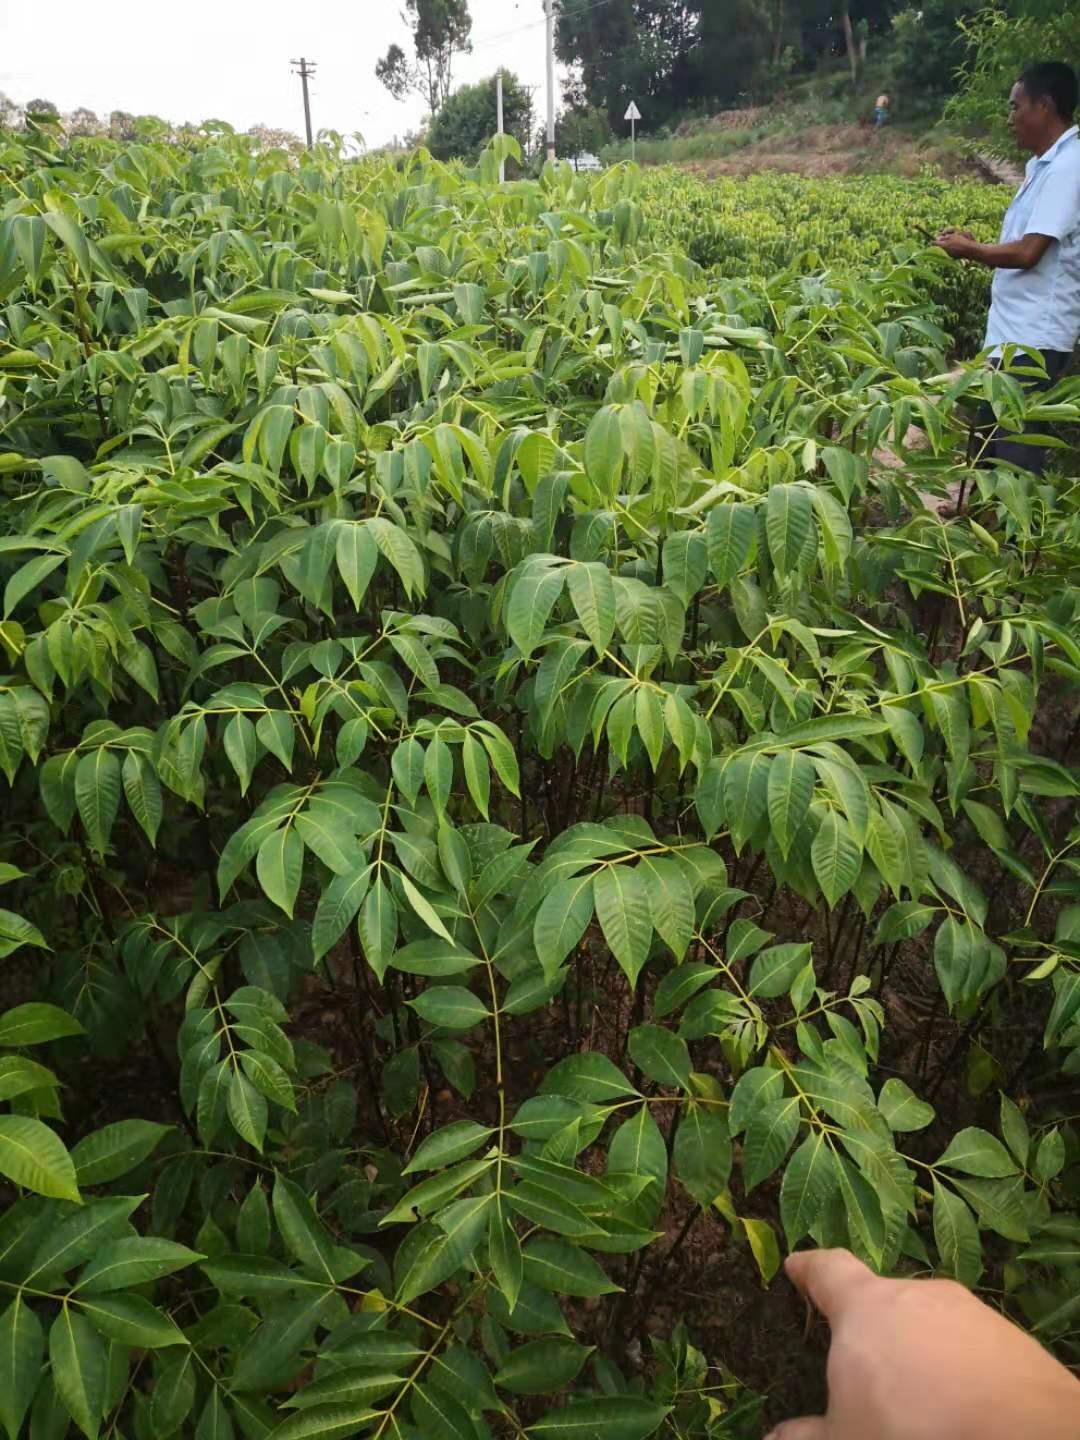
x,y
229,59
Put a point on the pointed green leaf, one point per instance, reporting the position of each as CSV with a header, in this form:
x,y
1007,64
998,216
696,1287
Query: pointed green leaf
x,y
247,1110
279,864
744,783
702,1153
593,597
34,1156
542,1367
131,1320
22,1348
977,1152
97,795
809,1180
504,1252
77,1357
173,1396
532,600
788,520
565,1269
956,1236
835,856
791,787
622,908
660,1055
562,919
773,1125
337,908
115,1149
902,1108
133,1260
613,1417
446,1146
451,1006
729,536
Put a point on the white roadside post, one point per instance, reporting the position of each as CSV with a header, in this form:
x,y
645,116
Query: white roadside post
x,y
633,114
499,119
549,15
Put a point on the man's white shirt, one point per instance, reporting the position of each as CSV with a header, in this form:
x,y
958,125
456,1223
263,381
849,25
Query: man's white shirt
x,y
1040,307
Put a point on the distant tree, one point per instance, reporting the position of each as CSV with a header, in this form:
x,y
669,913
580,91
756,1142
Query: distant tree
x,y
682,57
995,46
10,113
581,130
272,138
928,47
84,122
468,119
440,31
122,125
670,56
40,107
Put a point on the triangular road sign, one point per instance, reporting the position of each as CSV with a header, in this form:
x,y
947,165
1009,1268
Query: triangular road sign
x,y
632,112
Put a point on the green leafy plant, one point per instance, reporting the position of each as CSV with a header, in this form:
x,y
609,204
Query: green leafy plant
x,y
540,777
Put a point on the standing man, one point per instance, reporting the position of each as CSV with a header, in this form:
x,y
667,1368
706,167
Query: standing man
x,y
1035,298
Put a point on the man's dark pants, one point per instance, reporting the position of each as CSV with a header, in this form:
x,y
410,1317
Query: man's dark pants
x,y
1001,446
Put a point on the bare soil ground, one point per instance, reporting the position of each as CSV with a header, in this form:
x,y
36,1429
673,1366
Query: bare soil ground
x,y
821,150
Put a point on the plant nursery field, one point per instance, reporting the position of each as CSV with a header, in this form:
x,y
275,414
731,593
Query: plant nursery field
x,y
536,775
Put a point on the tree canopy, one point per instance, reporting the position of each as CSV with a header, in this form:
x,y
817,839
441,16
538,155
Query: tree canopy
x,y
468,119
683,56
996,46
440,30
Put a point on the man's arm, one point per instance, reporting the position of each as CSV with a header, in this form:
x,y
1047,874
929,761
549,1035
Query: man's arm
x,y
1016,255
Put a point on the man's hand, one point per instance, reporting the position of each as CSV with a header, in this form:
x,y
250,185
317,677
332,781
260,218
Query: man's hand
x,y
956,243
1021,254
925,1360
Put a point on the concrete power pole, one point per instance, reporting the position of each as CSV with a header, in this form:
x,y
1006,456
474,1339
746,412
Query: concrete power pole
x,y
549,11
305,69
499,119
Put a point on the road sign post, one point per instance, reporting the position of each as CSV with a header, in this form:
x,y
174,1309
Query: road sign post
x,y
633,114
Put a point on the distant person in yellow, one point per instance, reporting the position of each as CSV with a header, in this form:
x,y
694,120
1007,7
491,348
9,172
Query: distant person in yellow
x,y
881,111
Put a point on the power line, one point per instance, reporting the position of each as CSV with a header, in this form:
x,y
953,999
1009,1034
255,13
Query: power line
x,y
535,24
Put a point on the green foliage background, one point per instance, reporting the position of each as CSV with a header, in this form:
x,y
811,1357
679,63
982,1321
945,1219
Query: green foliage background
x,y
454,610
999,45
469,119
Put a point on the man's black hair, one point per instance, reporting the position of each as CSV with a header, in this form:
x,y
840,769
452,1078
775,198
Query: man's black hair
x,y
1055,81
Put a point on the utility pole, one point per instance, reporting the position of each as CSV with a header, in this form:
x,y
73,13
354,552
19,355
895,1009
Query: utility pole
x,y
499,120
549,12
305,69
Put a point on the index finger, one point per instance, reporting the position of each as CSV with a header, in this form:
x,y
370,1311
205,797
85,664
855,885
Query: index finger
x,y
829,1278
